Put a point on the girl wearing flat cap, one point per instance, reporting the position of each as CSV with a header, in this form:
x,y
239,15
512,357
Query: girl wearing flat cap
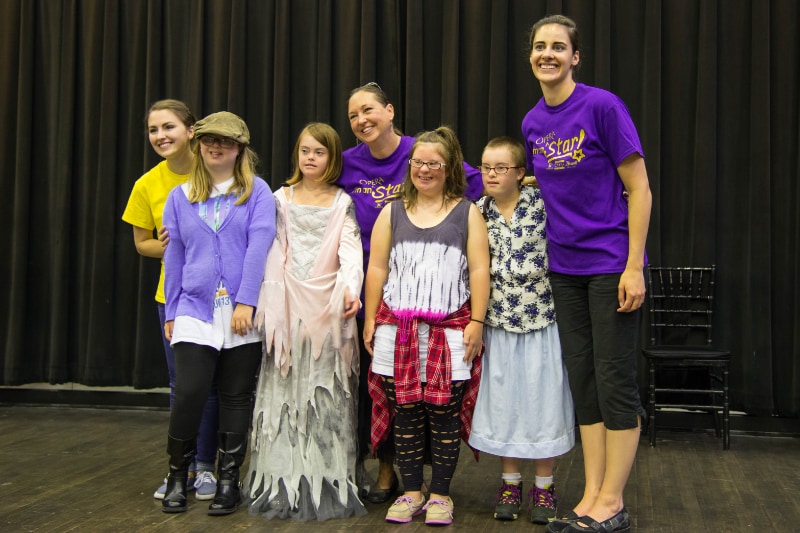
x,y
221,224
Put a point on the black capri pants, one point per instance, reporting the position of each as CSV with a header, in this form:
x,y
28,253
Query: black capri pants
x,y
600,348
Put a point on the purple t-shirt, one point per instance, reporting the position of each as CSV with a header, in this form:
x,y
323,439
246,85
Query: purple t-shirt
x,y
574,150
371,183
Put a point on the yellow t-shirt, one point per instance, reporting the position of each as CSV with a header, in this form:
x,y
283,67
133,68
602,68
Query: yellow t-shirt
x,y
146,205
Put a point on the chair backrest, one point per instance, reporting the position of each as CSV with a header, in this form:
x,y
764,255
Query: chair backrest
x,y
681,304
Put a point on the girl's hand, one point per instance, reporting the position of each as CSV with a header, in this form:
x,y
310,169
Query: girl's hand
x,y
351,304
473,340
369,335
242,320
169,325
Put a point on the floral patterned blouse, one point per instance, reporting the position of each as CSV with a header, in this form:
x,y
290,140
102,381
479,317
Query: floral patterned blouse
x,y
521,299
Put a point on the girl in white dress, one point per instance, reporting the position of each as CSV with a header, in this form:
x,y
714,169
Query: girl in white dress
x,y
303,458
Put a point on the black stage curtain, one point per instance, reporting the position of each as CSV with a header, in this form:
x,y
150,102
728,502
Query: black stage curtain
x,y
712,86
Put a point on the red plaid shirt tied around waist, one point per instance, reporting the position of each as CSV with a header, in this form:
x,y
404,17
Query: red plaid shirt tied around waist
x,y
408,386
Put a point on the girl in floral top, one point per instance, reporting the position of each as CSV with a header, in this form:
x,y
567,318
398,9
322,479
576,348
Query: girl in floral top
x,y
524,408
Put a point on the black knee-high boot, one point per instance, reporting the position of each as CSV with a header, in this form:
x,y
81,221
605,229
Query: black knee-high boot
x,y
232,448
181,453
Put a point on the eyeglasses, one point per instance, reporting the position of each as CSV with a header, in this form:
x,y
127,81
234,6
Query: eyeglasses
x,y
433,165
499,169
224,142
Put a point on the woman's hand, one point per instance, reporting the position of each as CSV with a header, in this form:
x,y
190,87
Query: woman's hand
x,y
242,320
145,244
631,290
473,340
163,236
351,304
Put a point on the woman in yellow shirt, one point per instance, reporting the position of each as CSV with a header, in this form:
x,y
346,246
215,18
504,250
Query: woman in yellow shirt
x,y
170,126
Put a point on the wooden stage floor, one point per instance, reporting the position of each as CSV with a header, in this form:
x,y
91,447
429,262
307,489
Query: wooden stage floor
x,y
94,470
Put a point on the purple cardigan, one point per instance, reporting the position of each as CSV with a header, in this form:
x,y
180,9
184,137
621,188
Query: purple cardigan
x,y
197,258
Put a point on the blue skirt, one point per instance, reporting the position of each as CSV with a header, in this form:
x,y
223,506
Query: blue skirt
x,y
524,407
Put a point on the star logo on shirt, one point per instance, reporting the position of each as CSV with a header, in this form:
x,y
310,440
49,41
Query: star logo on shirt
x,y
578,154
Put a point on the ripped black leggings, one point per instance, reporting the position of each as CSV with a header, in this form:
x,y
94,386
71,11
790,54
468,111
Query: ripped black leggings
x,y
411,422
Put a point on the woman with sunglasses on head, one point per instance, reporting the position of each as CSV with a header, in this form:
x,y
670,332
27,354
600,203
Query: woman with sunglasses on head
x,y
585,152
373,172
221,225
170,126
427,289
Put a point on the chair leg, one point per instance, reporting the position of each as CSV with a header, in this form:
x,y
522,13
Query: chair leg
x,y
651,403
714,382
726,422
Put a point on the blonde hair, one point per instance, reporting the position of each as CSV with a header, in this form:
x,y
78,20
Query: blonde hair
x,y
450,149
327,137
244,171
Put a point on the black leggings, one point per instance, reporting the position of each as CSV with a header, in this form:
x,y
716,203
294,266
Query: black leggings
x,y
197,367
410,422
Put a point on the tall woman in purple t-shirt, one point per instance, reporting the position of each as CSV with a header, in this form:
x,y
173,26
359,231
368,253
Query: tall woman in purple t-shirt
x,y
373,172
585,153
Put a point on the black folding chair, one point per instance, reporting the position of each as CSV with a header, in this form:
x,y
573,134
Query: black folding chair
x,y
681,310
